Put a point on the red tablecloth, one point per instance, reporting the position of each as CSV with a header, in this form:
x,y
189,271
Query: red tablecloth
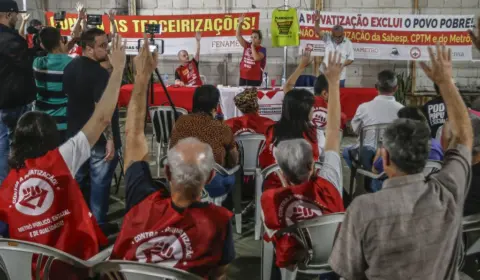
x,y
350,98
181,96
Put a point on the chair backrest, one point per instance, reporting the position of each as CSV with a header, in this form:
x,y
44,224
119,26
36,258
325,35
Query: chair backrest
x,y
318,236
373,133
249,146
432,166
163,119
18,256
438,135
126,270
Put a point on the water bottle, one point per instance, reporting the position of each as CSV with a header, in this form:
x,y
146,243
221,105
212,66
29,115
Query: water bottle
x,y
265,79
165,79
284,81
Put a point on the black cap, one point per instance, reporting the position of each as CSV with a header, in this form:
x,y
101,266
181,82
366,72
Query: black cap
x,y
9,6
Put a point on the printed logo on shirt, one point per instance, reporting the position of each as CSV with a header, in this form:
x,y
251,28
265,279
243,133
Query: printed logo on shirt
x,y
297,208
436,113
35,197
319,117
168,247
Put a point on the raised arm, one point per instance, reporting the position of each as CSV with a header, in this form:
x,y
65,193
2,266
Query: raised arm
x,y
292,80
475,36
319,32
77,27
21,30
108,102
440,72
332,73
111,17
198,37
240,39
136,147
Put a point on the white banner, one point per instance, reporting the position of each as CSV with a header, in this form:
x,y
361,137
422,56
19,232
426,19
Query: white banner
x,y
393,37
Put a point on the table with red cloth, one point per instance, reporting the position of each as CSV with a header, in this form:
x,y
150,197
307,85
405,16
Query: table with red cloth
x,y
270,100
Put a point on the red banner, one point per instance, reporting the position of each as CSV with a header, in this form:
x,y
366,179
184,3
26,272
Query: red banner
x,y
173,26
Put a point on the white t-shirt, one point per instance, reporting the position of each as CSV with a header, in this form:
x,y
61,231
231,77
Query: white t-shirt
x,y
75,152
345,48
382,109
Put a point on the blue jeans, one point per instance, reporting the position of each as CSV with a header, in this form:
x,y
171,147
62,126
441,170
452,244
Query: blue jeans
x,y
8,122
342,83
95,178
366,156
220,185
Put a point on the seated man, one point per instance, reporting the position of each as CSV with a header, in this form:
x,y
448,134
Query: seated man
x,y
308,197
177,231
201,124
436,151
412,228
48,207
382,109
251,121
435,112
187,74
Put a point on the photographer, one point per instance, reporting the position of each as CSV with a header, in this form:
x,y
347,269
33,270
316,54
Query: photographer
x,y
17,87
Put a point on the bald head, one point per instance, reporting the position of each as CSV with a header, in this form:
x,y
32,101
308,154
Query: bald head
x,y
190,165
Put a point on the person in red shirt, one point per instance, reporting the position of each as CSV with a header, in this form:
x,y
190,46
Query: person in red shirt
x,y
309,195
320,91
40,200
178,230
254,57
251,121
188,74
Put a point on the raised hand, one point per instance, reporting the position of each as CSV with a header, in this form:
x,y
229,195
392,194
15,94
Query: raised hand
x,y
241,19
306,58
198,35
145,61
111,14
117,56
440,70
81,10
475,37
334,68
317,15
25,17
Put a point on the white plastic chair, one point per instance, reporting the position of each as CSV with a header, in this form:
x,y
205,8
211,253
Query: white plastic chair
x,y
163,120
17,255
126,270
249,146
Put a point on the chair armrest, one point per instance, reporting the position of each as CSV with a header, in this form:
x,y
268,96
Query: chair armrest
x,y
371,174
101,256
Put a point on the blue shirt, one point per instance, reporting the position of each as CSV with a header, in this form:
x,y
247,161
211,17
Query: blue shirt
x,y
51,98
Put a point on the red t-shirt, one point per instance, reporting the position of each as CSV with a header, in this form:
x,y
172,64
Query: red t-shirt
x,y
189,74
249,68
253,123
266,157
153,231
320,113
75,51
284,207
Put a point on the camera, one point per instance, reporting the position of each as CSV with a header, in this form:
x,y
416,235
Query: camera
x,y
94,20
59,16
152,28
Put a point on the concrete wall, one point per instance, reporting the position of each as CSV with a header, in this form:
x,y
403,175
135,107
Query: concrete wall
x,y
361,73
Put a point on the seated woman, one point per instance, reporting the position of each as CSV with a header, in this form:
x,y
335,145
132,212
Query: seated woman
x,y
201,124
251,121
295,122
436,151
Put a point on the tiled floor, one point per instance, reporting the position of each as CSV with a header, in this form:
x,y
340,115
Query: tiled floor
x,y
247,264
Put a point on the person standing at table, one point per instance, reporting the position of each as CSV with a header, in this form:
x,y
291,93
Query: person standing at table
x,y
335,42
84,81
254,57
187,74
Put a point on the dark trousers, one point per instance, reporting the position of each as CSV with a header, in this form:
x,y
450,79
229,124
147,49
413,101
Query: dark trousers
x,y
251,83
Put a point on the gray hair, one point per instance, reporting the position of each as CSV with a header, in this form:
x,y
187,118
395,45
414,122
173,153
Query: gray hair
x,y
387,81
337,28
295,158
191,162
408,144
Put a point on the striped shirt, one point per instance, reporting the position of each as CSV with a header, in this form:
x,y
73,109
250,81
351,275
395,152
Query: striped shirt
x,y
51,99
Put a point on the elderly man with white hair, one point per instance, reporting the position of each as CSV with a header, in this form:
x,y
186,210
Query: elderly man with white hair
x,y
309,195
176,230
